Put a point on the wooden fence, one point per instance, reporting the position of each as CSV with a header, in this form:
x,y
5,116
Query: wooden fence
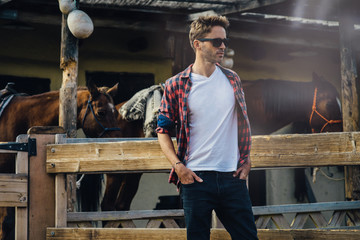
x,y
42,213
128,155
14,187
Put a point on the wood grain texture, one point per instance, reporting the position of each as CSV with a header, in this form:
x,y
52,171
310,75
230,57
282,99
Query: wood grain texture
x,y
180,234
292,150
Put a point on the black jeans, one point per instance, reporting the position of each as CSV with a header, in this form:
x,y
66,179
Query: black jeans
x,y
228,196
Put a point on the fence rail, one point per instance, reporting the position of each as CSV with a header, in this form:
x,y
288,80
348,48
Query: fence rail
x,y
134,155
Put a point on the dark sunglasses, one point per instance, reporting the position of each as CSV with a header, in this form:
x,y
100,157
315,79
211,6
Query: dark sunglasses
x,y
216,42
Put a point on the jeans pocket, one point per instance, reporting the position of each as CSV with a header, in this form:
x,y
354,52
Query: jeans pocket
x,y
189,184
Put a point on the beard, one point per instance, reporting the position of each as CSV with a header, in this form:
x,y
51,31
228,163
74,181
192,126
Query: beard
x,y
213,56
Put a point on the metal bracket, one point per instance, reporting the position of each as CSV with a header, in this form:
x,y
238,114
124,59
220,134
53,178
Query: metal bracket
x,y
29,147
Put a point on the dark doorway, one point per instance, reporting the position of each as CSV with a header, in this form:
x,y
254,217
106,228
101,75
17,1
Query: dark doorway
x,y
129,83
29,85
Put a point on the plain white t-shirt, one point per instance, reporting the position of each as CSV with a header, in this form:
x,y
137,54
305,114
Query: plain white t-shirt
x,y
213,124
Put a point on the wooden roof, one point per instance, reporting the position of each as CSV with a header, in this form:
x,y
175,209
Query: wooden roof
x,y
256,20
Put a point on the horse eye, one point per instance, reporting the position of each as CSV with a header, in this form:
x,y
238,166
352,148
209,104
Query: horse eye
x,y
101,113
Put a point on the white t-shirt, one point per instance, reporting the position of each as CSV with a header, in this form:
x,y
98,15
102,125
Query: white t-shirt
x,y
213,124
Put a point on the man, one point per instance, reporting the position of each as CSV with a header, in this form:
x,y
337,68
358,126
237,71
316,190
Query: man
x,y
206,103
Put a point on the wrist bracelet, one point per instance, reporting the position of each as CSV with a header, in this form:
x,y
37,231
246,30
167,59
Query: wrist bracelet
x,y
179,162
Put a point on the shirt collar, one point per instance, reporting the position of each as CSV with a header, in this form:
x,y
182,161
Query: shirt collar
x,y
186,73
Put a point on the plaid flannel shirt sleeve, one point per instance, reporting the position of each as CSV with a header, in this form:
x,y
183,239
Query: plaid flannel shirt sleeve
x,y
168,110
244,131
168,113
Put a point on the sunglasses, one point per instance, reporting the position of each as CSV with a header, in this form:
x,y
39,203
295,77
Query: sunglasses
x,y
216,42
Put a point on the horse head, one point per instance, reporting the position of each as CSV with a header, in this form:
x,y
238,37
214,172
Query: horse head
x,y
96,112
326,108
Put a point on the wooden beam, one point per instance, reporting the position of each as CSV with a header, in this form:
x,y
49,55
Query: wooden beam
x,y
4,1
306,207
350,94
238,6
123,215
293,150
180,234
68,90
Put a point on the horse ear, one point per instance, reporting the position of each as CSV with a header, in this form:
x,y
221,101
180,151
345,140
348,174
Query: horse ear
x,y
94,91
113,92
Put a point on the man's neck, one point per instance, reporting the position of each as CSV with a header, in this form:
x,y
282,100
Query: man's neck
x,y
203,68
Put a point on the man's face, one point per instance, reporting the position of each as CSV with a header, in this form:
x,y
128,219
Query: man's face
x,y
208,51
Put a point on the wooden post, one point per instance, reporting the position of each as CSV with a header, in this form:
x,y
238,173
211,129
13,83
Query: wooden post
x,y
68,90
41,184
350,93
68,94
21,213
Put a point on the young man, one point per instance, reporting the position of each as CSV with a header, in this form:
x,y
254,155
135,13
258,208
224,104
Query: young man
x,y
206,103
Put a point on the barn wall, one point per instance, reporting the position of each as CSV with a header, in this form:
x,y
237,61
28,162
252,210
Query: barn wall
x,y
261,60
36,53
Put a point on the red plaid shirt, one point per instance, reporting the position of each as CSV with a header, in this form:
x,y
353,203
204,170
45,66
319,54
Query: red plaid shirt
x,y
174,112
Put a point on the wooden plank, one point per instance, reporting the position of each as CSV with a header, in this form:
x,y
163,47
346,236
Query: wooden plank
x,y
262,221
60,201
170,223
299,220
41,190
318,219
13,190
13,200
127,224
234,8
306,207
21,213
112,224
123,215
355,217
293,150
280,221
154,223
296,150
337,219
100,157
70,178
180,234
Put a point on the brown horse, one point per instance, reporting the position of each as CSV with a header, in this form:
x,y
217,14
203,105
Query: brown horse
x,y
121,188
96,115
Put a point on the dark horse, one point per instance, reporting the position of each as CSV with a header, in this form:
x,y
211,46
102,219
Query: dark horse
x,y
121,188
272,104
96,115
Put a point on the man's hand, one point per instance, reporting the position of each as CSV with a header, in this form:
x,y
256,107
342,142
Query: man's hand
x,y
185,175
243,171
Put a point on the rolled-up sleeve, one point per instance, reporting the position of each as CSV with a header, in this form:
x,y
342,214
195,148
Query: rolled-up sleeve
x,y
168,110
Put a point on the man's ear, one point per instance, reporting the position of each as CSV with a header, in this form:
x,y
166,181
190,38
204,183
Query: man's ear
x,y
196,44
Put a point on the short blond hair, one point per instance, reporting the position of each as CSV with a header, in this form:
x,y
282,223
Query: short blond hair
x,y
200,27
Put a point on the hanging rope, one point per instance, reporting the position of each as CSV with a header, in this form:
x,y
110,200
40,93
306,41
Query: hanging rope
x,y
314,110
316,169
